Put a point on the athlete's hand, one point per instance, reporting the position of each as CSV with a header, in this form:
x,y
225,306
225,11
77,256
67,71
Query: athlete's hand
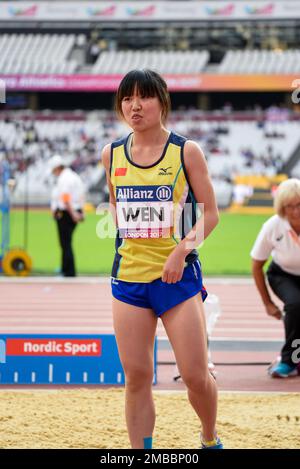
x,y
273,310
173,269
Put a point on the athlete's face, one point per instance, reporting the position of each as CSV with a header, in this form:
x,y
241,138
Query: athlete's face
x,y
141,113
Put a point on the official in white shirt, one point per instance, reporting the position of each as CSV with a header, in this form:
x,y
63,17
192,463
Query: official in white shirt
x,y
67,203
280,238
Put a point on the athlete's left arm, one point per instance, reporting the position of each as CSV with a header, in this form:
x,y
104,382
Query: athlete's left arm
x,y
198,177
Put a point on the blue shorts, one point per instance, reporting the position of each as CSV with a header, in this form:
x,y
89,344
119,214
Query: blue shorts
x,y
161,296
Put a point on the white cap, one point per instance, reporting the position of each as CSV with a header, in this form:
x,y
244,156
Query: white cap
x,y
54,162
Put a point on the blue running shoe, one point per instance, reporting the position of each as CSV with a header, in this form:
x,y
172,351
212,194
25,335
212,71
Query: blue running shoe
x,y
282,370
214,444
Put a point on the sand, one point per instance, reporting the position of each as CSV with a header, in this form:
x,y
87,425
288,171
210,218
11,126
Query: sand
x,y
89,418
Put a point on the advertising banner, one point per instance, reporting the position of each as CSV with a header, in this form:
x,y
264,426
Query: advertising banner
x,y
149,11
60,359
109,83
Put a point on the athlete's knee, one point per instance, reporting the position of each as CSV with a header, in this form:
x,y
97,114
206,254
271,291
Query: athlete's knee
x,y
196,382
138,376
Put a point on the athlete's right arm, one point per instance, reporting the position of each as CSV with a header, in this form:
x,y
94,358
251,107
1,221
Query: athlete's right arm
x,y
105,155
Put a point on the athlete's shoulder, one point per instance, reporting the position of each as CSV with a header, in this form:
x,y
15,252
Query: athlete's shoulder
x,y
106,154
119,142
193,152
190,146
177,139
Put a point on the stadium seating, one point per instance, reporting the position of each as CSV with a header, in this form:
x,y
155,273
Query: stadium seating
x,y
53,54
231,147
50,53
37,53
260,62
296,170
121,62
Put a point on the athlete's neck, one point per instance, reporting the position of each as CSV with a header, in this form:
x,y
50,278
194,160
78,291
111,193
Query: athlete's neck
x,y
155,136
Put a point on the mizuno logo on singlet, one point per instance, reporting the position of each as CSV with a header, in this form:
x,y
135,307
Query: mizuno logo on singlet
x,y
164,171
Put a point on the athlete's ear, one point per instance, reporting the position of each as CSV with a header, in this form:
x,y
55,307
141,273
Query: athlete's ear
x,y
162,117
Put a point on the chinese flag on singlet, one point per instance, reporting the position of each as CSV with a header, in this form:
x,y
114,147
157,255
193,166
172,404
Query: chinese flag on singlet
x,y
120,171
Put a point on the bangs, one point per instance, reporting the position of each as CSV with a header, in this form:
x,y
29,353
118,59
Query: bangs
x,y
140,80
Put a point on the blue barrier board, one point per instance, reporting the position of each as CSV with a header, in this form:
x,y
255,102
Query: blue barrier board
x,y
61,359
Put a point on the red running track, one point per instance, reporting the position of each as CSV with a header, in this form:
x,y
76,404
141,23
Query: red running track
x,y
83,306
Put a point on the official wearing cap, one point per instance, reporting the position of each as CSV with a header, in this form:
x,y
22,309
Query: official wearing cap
x,y
67,201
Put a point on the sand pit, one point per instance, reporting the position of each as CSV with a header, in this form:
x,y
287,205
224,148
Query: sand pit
x,y
86,418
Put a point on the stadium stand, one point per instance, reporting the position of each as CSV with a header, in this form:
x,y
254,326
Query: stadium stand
x,y
256,145
260,61
37,53
160,60
54,54
296,170
231,147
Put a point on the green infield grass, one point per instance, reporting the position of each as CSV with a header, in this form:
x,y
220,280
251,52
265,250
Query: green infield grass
x,y
225,252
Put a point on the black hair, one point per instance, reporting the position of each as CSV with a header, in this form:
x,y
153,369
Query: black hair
x,y
148,83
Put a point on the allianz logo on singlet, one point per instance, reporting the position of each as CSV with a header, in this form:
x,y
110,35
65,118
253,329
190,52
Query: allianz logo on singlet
x,y
144,193
144,211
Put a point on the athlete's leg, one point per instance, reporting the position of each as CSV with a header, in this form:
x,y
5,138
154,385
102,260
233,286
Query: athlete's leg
x,y
135,333
186,329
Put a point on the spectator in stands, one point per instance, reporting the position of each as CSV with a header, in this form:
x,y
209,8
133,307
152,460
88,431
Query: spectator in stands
x,y
278,162
249,156
31,135
67,207
280,237
94,47
227,108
